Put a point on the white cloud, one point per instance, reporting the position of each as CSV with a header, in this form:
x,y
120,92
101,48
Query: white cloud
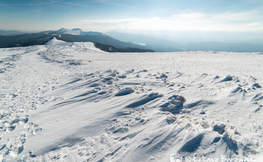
x,y
243,21
241,16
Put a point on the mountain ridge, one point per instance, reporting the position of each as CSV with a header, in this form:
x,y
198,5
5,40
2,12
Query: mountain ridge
x,y
123,41
166,45
157,44
77,31
61,34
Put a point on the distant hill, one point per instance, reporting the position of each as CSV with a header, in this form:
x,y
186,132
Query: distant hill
x,y
156,44
165,45
108,48
102,39
77,31
10,32
24,40
77,35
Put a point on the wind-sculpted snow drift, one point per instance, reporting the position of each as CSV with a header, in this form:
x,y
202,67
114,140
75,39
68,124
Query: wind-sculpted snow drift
x,y
73,102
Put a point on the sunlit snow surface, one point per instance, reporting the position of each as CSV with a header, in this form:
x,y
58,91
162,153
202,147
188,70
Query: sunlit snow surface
x,y
73,102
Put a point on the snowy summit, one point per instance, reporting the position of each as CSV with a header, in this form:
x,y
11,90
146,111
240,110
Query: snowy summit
x,y
54,41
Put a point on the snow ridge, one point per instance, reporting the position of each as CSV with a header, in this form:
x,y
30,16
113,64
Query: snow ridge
x,y
54,41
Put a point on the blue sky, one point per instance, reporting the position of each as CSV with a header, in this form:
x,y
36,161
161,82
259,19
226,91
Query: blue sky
x,y
107,15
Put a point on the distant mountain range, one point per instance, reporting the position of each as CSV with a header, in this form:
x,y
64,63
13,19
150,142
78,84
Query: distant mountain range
x,y
77,31
74,35
165,45
156,44
10,32
123,42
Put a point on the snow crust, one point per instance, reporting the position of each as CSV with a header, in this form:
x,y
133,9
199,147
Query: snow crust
x,y
72,102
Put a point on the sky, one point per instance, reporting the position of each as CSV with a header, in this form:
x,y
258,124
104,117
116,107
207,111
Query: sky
x,y
179,16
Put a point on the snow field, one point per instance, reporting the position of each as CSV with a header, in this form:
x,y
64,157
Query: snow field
x,y
72,102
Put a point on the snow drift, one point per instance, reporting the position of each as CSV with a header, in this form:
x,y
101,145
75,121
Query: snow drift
x,y
72,102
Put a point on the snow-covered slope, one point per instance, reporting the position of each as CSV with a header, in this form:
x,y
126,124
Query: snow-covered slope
x,y
73,102
54,41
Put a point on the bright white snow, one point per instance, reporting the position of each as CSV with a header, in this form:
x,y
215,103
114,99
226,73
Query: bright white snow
x,y
72,102
54,42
